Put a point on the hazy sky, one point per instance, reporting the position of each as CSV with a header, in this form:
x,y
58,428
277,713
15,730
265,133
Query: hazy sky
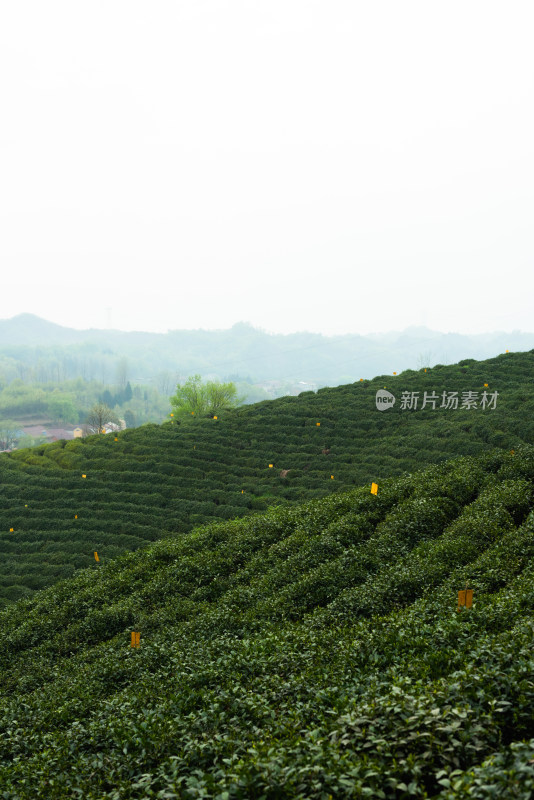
x,y
324,166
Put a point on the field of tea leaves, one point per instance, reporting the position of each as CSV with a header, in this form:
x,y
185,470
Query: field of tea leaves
x,y
163,480
308,651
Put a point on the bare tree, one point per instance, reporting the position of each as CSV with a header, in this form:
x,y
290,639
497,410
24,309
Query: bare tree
x,y
165,382
122,370
424,359
99,416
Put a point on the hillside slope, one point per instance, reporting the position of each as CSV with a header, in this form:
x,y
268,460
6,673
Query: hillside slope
x,y
161,480
312,651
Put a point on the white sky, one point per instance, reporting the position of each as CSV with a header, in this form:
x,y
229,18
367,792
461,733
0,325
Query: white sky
x,y
324,165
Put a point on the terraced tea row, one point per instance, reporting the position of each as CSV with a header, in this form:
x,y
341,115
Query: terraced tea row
x,y
161,480
309,651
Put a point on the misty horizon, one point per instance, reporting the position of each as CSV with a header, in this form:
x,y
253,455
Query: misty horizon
x,y
245,323
304,166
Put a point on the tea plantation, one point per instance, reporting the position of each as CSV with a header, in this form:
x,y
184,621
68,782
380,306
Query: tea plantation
x,y
157,481
308,651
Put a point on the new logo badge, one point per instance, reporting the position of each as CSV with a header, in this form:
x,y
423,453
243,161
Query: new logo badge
x,y
384,400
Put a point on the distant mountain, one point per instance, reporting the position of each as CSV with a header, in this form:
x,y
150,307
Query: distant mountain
x,y
27,329
242,352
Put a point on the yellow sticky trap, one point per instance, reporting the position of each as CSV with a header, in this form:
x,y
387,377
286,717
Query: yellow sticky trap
x,y
242,491
394,373
270,466
425,369
11,530
318,424
116,439
214,417
507,351
486,385
84,476
193,413
374,488
96,556
331,477
465,598
172,415
361,380
26,505
136,637
76,516
512,452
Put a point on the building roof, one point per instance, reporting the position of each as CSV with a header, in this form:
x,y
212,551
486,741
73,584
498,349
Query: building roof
x,y
38,431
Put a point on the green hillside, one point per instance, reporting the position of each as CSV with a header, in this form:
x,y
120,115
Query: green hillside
x,y
312,651
157,481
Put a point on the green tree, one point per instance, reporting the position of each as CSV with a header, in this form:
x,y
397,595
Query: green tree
x,y
129,418
190,397
196,397
107,398
221,396
62,409
9,432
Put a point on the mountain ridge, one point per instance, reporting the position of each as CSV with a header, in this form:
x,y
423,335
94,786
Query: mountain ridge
x,y
245,351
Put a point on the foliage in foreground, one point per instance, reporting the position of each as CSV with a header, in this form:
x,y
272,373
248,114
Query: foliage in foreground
x,y
310,652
